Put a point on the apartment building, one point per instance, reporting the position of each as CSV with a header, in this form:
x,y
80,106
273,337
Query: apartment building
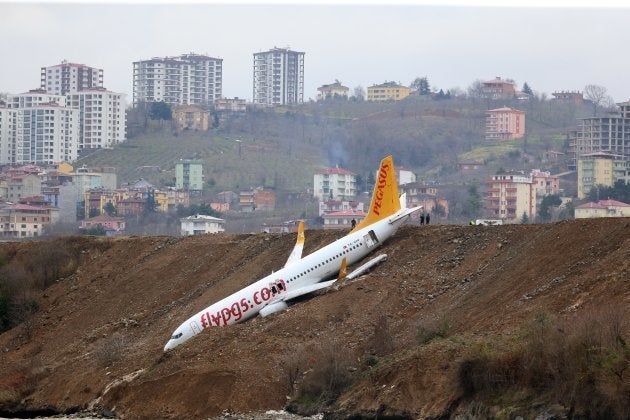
x,y
23,221
188,79
599,168
334,90
230,105
334,184
505,124
65,78
510,195
278,77
102,119
609,134
388,91
544,184
38,127
189,175
200,224
569,96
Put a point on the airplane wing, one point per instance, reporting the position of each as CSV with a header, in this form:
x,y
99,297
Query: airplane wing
x,y
296,254
307,289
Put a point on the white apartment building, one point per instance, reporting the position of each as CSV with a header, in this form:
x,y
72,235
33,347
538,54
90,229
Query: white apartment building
x,y
278,77
200,224
334,184
37,127
102,117
189,79
66,77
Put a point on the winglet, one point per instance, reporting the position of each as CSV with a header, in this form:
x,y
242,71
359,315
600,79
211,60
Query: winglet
x,y
385,200
296,254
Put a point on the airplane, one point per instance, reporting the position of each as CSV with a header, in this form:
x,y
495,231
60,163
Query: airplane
x,y
304,275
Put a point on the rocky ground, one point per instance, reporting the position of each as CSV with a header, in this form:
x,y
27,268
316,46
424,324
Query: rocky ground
x,y
390,344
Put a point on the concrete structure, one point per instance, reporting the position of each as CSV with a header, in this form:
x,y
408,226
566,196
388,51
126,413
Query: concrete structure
x,y
102,117
334,90
576,97
67,77
189,79
24,185
510,195
230,105
600,168
38,127
188,117
343,219
498,88
21,221
333,206
278,77
505,124
189,175
334,183
200,224
609,133
388,91
603,208
257,199
403,176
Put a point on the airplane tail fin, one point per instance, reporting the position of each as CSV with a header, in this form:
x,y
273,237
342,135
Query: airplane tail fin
x,y
385,200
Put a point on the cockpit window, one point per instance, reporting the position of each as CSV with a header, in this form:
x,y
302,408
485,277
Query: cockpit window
x,y
176,336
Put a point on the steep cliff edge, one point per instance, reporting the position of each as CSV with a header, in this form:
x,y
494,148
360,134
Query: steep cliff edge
x,y
403,341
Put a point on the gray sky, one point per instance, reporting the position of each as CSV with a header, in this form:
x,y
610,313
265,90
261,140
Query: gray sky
x,y
359,44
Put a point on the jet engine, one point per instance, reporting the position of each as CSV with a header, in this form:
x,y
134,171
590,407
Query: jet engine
x,y
273,308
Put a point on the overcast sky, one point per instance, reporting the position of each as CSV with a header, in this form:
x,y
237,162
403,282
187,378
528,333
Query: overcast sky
x,y
359,44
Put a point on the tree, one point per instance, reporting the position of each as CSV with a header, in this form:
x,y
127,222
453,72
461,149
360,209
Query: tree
x,y
110,209
358,94
475,90
596,94
527,89
547,203
620,191
421,84
568,212
160,111
472,206
524,218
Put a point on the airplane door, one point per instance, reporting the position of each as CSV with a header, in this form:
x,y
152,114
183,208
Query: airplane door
x,y
195,327
371,240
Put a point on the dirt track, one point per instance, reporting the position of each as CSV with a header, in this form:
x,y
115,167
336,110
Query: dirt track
x,y
97,339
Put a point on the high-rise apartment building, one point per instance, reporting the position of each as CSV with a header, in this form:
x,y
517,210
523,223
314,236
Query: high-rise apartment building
x,y
610,133
505,124
599,168
102,117
189,175
66,77
278,77
38,127
335,184
510,195
189,79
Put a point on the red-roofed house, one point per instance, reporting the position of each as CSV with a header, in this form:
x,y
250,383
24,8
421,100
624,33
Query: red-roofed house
x,y
334,183
21,221
603,208
343,219
112,225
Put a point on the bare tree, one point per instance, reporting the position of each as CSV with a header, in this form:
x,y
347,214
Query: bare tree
x,y
475,90
358,93
596,94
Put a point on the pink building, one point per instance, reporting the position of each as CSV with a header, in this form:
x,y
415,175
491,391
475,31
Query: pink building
x,y
505,124
112,225
343,219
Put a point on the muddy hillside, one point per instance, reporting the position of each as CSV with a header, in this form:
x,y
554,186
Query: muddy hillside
x,y
459,320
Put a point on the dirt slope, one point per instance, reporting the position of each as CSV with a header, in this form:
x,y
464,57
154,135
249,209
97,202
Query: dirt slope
x,y
97,339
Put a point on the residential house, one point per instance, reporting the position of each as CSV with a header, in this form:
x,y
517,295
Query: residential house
x,y
425,195
188,117
112,225
575,97
230,106
334,206
291,226
22,221
388,91
257,199
603,208
189,175
334,90
200,224
498,88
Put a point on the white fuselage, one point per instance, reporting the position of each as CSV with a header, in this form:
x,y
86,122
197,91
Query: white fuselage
x,y
321,264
